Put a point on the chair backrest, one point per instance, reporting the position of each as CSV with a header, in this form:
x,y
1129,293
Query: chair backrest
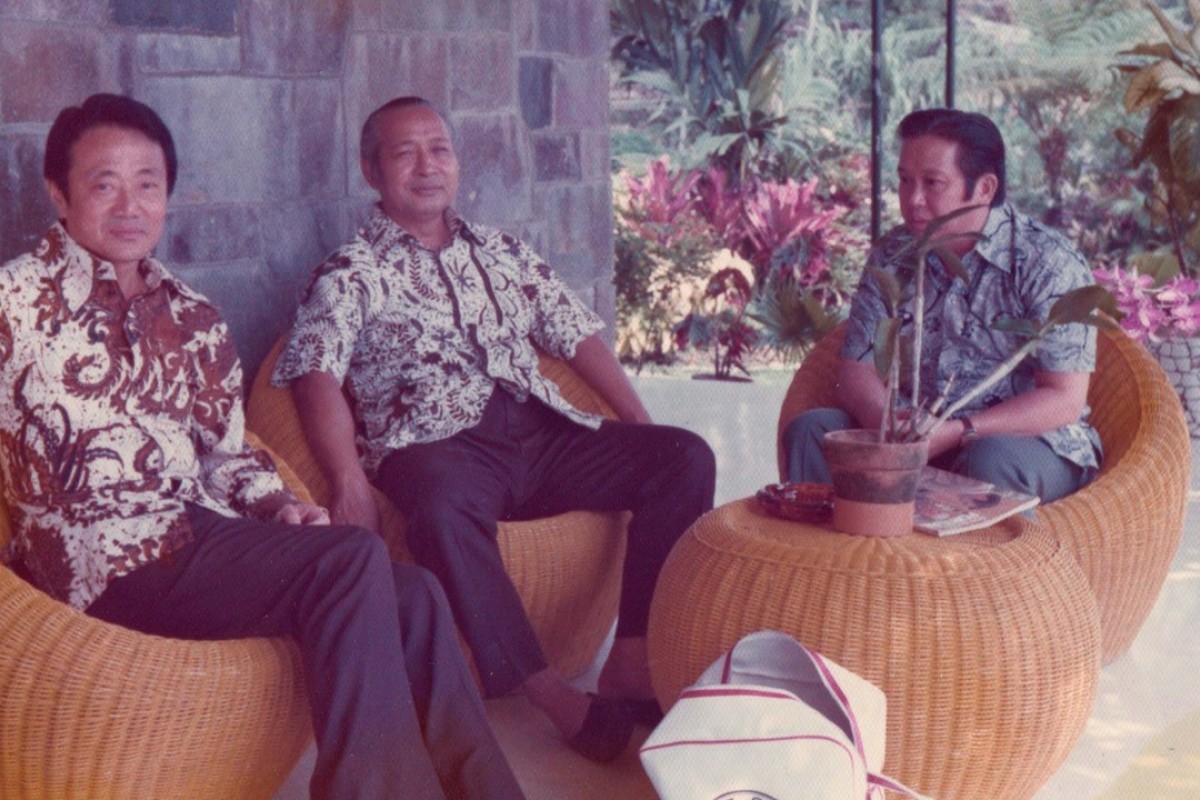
x,y
1125,382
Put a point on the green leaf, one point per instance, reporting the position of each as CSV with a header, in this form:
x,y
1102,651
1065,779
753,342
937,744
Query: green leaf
x,y
1021,327
889,287
951,262
1081,305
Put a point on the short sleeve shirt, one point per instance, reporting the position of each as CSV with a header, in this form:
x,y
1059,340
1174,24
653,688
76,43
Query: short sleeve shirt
x,y
1018,270
113,417
420,339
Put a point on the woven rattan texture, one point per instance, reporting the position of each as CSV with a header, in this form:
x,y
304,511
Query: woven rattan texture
x,y
92,711
566,568
1124,527
987,645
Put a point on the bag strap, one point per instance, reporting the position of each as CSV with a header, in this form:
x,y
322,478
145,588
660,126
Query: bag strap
x,y
877,782
874,780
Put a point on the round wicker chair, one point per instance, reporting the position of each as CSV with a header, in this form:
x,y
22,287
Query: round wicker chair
x,y
566,568
1125,526
93,711
986,644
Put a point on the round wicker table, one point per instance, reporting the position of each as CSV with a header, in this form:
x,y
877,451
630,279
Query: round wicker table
x,y
987,644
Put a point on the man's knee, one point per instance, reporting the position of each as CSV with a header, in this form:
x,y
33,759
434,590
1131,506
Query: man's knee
x,y
418,590
802,442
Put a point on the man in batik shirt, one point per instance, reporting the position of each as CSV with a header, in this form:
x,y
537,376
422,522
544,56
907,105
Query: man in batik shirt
x,y
1029,432
430,323
134,497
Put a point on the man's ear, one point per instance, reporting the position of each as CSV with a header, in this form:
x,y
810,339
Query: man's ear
x,y
986,188
370,172
57,197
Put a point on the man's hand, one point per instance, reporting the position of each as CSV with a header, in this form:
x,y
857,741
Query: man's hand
x,y
353,503
298,512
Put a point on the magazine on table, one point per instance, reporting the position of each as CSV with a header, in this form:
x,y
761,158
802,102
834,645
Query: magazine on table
x,y
949,503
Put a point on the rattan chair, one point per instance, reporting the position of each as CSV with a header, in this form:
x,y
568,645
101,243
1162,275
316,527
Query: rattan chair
x,y
1125,526
566,568
93,711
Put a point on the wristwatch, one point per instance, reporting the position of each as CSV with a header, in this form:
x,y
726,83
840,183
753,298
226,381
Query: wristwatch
x,y
969,433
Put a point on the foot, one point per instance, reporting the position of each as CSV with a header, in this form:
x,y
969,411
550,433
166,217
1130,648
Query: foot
x,y
606,730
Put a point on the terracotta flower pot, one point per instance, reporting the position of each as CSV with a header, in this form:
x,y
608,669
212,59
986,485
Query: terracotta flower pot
x,y
874,482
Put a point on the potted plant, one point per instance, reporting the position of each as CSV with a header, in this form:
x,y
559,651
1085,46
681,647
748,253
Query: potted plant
x,y
881,467
1159,288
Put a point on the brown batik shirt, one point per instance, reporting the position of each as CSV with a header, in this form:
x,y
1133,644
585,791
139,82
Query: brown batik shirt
x,y
421,339
111,420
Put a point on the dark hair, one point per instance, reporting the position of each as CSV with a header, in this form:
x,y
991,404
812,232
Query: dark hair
x,y
97,111
368,143
980,145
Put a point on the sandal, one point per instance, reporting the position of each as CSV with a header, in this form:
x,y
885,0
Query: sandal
x,y
606,730
645,712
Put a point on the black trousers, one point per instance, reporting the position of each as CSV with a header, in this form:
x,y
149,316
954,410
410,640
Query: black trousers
x,y
524,461
395,708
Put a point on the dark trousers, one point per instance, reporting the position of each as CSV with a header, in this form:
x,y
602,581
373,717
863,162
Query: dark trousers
x,y
395,709
1023,463
525,461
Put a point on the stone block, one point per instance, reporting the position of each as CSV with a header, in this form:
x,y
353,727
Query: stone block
x,y
170,53
494,160
251,139
245,294
481,73
201,234
478,15
536,88
573,27
384,66
296,238
581,94
210,16
556,157
595,155
398,15
579,219
295,37
524,24
46,68
77,11
28,211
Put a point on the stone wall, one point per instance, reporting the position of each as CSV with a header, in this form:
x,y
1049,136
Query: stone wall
x,y
266,98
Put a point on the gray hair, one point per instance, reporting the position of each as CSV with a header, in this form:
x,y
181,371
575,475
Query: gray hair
x,y
368,143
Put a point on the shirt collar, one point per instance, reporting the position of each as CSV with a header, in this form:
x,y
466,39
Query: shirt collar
x,y
82,268
384,233
996,245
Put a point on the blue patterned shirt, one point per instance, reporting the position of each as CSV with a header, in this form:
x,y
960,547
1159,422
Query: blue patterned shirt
x,y
1018,270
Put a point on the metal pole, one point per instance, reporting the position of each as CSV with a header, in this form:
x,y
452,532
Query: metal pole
x,y
951,32
876,118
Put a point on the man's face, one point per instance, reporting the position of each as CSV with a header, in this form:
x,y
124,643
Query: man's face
x,y
118,195
416,168
932,185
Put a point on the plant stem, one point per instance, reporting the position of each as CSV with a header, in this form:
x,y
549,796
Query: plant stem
x,y
1008,365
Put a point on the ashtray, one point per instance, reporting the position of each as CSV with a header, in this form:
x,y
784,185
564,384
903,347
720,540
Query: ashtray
x,y
802,502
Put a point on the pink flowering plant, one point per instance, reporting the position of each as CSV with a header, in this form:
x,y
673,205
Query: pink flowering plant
x,y
1153,310
676,233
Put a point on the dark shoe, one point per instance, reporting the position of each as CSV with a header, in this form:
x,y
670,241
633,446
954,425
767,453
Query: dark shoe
x,y
644,712
606,730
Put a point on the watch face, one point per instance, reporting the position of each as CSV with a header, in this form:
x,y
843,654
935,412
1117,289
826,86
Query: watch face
x,y
744,794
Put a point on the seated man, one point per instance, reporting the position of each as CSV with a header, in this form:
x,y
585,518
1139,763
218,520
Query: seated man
x,y
134,497
430,321
1030,431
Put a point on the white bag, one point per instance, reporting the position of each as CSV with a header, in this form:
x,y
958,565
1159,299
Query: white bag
x,y
772,720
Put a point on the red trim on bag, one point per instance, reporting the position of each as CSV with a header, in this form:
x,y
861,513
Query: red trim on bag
x,y
700,691
764,740
840,694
